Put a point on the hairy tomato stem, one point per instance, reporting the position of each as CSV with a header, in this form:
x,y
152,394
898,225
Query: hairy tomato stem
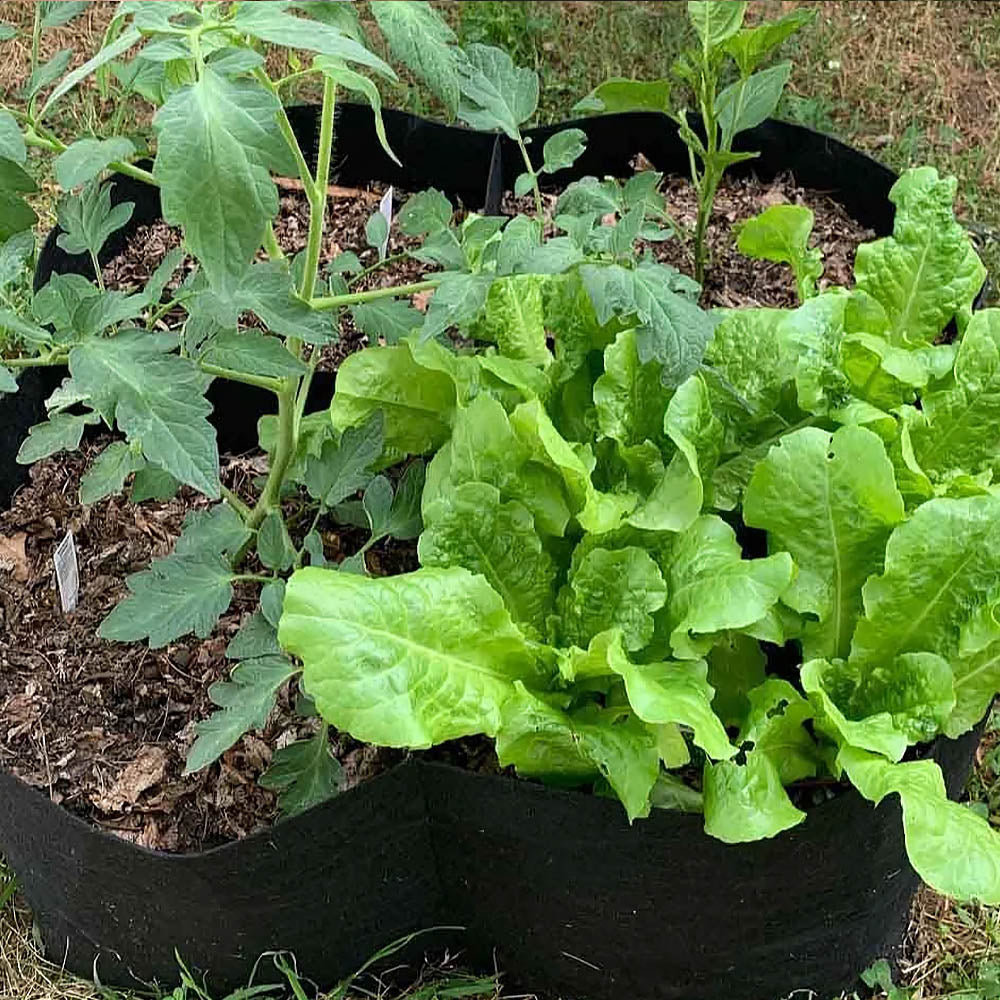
x,y
282,458
317,191
358,298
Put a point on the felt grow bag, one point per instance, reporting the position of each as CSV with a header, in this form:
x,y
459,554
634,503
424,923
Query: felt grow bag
x,y
555,886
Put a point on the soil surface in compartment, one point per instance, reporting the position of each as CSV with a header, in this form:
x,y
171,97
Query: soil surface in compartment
x,y
102,728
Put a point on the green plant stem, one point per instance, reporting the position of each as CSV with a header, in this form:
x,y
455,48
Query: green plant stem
x,y
97,270
32,138
303,393
36,38
317,193
285,126
283,452
274,251
236,503
48,362
392,259
534,177
275,385
358,298
252,578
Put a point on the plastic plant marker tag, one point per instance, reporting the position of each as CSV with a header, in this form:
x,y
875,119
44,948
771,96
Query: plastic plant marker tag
x,y
67,573
385,207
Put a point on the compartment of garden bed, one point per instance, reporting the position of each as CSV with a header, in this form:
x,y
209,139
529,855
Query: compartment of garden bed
x,y
572,899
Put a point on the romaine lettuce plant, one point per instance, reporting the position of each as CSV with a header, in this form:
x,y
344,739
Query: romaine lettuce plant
x,y
725,113
585,599
221,131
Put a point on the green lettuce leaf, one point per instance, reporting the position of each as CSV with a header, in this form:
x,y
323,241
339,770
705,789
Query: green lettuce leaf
x,y
612,589
927,272
405,661
746,802
831,501
774,725
953,849
961,420
471,527
697,434
712,588
578,748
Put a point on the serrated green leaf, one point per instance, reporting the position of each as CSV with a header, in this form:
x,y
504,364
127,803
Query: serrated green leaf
x,y
245,702
157,399
118,47
953,849
151,483
61,432
23,329
425,214
832,502
217,139
108,473
563,149
377,230
496,93
395,513
471,527
442,636
7,32
458,300
524,184
387,319
55,15
252,353
422,40
673,331
47,74
619,95
272,601
306,773
257,637
342,468
217,530
88,219
274,546
927,272
85,159
175,596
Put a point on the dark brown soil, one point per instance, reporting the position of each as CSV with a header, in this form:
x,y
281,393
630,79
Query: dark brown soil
x,y
104,728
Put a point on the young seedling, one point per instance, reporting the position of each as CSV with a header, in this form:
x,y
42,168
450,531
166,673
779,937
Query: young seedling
x,y
723,114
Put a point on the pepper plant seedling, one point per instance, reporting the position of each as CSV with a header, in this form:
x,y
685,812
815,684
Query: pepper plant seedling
x,y
724,113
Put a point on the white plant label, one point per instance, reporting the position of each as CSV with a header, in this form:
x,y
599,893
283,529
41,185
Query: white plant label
x,y
67,574
385,207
